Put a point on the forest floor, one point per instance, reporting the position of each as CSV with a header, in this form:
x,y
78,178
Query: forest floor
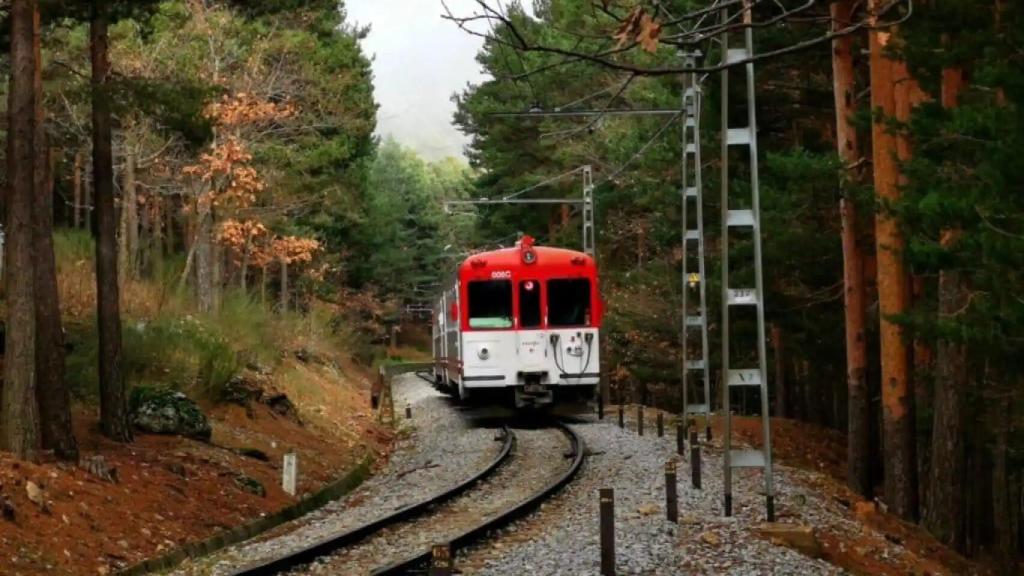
x,y
816,449
169,491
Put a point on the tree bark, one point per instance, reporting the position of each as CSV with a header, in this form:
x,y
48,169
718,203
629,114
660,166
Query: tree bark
x,y
246,248
20,410
858,446
156,239
129,237
898,430
52,393
284,285
113,394
76,186
944,512
923,376
781,404
203,250
88,206
263,284
1003,502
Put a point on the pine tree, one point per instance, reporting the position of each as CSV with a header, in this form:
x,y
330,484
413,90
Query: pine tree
x,y
859,422
20,410
898,437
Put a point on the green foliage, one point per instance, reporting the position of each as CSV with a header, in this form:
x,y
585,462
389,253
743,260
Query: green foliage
x,y
405,231
966,174
182,354
638,174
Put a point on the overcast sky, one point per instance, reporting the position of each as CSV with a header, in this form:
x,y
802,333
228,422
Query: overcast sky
x,y
419,61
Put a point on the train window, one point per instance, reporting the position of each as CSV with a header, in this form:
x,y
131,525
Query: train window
x,y
529,304
569,302
490,304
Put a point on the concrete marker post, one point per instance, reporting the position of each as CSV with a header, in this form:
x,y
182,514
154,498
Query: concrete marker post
x,y
290,473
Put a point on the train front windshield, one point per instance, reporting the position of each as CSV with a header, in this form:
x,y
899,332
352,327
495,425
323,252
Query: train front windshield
x,y
569,302
490,304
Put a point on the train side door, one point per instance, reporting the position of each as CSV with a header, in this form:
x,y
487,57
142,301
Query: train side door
x,y
531,336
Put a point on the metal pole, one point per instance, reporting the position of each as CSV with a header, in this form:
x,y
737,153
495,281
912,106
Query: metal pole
x,y
762,352
726,421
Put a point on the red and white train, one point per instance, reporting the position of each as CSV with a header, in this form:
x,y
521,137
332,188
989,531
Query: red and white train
x,y
520,325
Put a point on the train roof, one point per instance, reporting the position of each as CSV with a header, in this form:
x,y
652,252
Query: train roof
x,y
515,257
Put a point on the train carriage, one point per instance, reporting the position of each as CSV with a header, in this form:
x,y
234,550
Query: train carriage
x,y
520,325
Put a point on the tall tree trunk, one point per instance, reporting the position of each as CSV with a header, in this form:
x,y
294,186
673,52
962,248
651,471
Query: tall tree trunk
x,y
898,429
1004,505
246,249
169,240
156,239
923,377
263,284
76,187
129,238
944,513
781,404
858,469
20,410
217,271
203,250
113,393
51,386
144,249
284,285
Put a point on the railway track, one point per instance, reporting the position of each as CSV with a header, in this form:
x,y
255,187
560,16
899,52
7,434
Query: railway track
x,y
330,544
514,484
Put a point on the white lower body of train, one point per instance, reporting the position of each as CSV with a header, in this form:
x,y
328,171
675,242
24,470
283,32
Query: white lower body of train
x,y
530,368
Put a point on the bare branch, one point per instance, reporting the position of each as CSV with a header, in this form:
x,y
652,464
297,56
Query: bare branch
x,y
606,57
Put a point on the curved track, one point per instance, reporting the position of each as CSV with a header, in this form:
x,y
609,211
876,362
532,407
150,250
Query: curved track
x,y
331,544
420,562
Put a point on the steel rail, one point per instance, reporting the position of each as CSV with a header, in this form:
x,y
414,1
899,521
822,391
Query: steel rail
x,y
336,542
419,562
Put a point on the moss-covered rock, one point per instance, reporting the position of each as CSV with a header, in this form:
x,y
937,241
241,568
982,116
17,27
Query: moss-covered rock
x,y
163,411
250,485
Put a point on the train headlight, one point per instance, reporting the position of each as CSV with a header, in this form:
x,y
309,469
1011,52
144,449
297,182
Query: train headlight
x,y
529,256
483,353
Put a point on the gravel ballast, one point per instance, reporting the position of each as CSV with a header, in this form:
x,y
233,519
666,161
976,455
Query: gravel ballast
x,y
537,460
437,449
563,538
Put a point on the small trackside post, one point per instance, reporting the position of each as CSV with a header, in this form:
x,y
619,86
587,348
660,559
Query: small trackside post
x,y
680,438
640,420
671,494
441,561
607,500
661,425
622,417
694,459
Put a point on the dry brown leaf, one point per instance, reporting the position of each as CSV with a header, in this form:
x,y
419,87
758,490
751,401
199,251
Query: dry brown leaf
x,y
627,30
650,32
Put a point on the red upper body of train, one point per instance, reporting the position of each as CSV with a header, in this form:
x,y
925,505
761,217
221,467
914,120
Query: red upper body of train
x,y
520,324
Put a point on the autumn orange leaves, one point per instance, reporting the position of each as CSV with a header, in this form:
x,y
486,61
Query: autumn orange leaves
x,y
227,185
639,27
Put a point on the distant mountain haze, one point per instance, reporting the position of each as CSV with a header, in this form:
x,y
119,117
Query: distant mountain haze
x,y
419,62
